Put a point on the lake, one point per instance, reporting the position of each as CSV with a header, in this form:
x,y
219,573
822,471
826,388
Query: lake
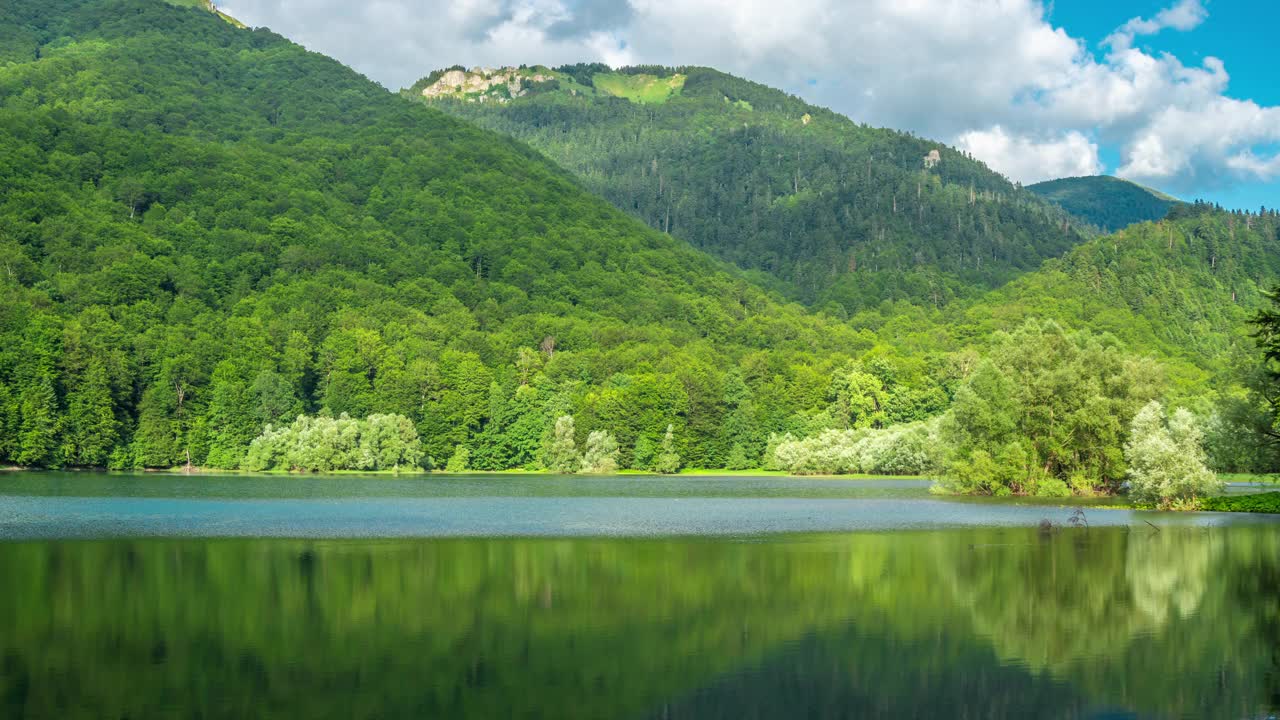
x,y
626,597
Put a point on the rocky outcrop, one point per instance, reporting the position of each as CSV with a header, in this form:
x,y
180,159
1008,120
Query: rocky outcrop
x,y
482,81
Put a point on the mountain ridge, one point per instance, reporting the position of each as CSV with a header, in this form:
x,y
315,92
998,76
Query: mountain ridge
x,y
845,214
1108,202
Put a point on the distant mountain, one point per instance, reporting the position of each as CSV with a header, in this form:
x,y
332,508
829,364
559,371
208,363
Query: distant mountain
x,y
1107,202
841,214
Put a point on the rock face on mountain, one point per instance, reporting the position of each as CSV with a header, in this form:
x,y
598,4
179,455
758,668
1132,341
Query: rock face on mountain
x,y
481,83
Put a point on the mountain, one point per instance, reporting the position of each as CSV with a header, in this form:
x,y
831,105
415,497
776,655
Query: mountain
x,y
1107,202
207,229
845,216
1181,290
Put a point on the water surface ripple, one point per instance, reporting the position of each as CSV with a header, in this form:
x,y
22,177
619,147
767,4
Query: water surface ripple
x,y
81,505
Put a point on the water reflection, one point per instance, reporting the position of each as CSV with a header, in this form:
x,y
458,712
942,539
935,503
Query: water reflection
x,y
996,623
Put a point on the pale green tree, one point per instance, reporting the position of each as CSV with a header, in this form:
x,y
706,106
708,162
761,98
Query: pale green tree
x,y
601,454
906,449
388,442
1166,458
668,460
460,461
321,444
562,451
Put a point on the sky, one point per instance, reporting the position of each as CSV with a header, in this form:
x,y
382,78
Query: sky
x,y
1174,94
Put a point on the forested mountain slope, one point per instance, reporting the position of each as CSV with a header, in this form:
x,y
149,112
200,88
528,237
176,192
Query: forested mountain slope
x,y
206,229
1107,202
842,213
1182,289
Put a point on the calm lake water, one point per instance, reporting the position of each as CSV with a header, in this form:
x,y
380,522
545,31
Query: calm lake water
x,y
539,597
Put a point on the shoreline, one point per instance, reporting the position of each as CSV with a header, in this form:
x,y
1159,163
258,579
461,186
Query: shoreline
x,y
1263,500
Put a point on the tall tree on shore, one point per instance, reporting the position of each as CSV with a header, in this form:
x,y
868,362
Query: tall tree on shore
x,y
1266,324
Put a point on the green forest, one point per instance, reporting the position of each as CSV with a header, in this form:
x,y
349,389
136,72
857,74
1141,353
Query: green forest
x,y
221,250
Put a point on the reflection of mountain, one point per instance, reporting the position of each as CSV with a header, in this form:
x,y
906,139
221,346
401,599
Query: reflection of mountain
x,y
874,625
866,672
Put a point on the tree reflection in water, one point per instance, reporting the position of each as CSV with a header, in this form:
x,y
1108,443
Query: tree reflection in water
x,y
993,623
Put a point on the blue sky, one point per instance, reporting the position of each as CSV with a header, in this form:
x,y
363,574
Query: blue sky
x,y
1242,33
1175,94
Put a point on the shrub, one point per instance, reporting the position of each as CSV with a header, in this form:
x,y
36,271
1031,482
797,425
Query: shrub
x,y
1268,502
908,449
321,444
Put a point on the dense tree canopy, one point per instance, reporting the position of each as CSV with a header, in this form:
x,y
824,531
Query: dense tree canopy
x,y
1047,414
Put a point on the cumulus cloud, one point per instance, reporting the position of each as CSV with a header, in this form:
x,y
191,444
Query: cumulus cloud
x,y
1070,154
1206,144
995,77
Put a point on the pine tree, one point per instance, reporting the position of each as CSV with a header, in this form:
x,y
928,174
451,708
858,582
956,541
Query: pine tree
x,y
738,459
37,426
89,426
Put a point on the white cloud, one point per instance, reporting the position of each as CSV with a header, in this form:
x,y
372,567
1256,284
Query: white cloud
x,y
1206,142
995,76
1070,154
1185,15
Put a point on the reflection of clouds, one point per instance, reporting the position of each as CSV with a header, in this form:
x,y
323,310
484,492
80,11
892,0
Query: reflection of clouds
x,y
1169,571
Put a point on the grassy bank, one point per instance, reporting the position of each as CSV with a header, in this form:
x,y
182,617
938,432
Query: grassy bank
x,y
417,472
1268,502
